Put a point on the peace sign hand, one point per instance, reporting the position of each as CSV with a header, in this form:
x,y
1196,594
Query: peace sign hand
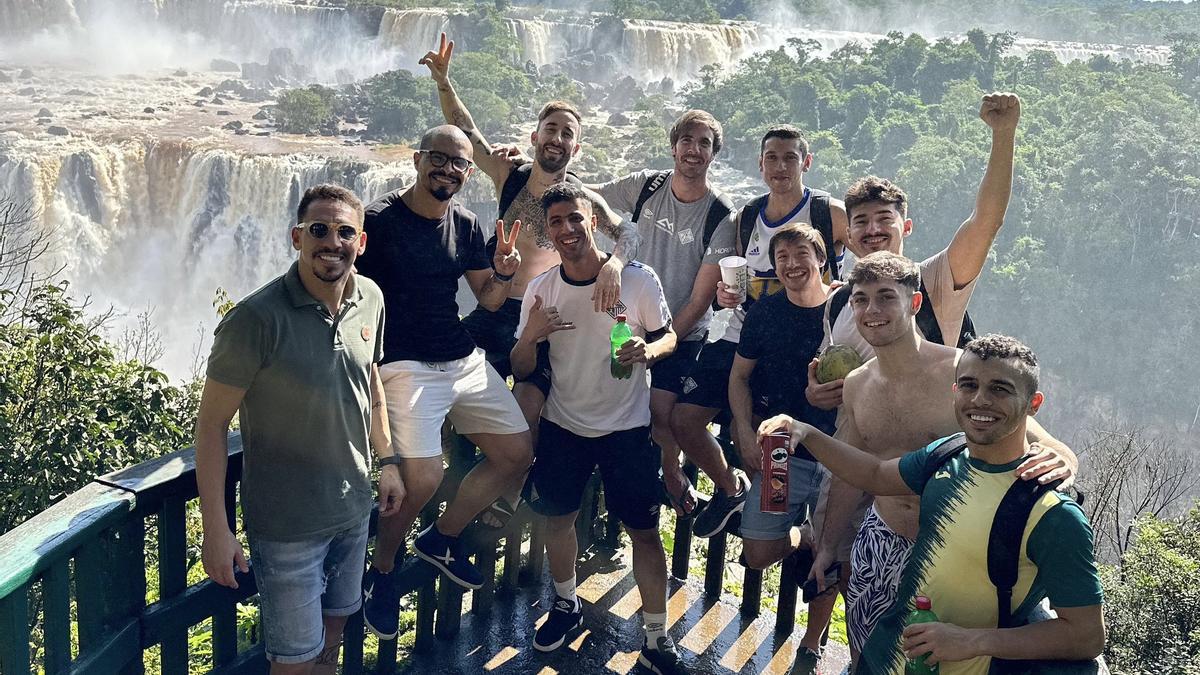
x,y
507,259
439,61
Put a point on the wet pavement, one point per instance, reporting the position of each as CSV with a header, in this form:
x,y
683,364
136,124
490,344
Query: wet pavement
x,y
712,635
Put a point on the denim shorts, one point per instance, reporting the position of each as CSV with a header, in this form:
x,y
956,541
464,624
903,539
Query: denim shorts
x,y
804,486
300,583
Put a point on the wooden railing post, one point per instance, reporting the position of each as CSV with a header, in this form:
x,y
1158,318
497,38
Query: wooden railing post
x,y
172,580
14,631
110,588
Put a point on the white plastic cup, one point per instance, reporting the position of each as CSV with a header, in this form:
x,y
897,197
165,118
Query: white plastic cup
x,y
735,274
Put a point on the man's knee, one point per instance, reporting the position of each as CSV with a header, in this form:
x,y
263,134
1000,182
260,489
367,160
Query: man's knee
x,y
758,554
422,477
647,537
512,453
557,525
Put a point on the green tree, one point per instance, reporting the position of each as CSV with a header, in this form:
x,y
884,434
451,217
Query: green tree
x,y
300,111
70,408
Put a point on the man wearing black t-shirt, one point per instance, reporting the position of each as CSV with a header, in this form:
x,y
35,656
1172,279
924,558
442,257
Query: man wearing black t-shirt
x,y
422,242
781,334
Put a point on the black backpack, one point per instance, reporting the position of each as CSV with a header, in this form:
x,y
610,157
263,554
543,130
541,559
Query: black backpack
x,y
1003,557
926,320
818,213
718,211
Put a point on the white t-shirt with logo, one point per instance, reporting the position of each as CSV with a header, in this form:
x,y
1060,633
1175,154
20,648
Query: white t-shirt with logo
x,y
585,398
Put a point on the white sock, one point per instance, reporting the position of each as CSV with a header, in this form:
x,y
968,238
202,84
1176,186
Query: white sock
x,y
566,590
656,627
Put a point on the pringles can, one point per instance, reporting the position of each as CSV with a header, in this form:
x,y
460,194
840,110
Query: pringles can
x,y
774,493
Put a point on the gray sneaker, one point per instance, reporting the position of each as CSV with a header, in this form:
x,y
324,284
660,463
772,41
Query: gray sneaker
x,y
715,516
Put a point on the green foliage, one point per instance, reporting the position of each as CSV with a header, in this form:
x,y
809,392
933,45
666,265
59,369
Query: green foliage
x,y
1152,601
300,111
496,90
1106,188
697,11
70,409
400,106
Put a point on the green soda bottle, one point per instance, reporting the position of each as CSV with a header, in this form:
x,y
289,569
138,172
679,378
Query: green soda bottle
x,y
922,614
619,336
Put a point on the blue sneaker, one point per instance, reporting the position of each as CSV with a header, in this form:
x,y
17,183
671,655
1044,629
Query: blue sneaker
x,y
446,554
381,605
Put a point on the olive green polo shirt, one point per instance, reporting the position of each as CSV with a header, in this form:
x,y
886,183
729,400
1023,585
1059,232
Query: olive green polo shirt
x,y
306,415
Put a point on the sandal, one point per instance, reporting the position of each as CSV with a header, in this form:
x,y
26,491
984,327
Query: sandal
x,y
497,515
685,503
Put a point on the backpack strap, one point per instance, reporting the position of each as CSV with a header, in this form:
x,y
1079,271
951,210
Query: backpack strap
x,y
928,323
1004,541
517,178
746,220
718,211
652,184
818,213
947,450
837,302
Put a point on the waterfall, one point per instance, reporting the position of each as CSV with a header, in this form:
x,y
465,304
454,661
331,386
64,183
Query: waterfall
x,y
165,223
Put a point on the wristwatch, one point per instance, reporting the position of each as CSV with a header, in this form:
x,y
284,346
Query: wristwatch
x,y
392,459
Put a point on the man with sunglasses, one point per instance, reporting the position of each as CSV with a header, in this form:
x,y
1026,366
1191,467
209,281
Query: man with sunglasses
x,y
297,358
424,241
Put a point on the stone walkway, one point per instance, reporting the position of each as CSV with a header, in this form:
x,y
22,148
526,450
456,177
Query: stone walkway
x,y
712,635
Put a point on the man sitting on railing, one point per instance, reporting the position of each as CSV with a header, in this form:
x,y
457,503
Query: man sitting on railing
x,y
298,359
597,414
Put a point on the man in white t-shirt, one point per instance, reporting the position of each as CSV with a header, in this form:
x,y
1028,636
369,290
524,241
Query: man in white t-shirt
x,y
597,415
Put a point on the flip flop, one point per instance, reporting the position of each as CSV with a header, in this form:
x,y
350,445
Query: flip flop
x,y
501,511
685,503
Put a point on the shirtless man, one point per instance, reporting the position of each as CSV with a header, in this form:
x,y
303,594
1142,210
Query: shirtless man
x,y
555,142
901,399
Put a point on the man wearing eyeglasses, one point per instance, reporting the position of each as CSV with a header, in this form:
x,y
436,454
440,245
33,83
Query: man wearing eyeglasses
x,y
297,358
423,242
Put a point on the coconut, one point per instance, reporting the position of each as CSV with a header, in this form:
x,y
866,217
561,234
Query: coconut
x,y
836,362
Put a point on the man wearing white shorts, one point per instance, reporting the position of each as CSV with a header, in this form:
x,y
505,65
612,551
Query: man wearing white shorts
x,y
423,242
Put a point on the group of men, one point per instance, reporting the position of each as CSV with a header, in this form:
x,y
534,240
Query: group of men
x,y
359,349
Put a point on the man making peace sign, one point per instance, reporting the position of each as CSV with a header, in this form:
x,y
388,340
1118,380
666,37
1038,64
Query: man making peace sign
x,y
423,241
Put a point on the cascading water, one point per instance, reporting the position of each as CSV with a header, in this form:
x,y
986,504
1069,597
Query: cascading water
x,y
163,224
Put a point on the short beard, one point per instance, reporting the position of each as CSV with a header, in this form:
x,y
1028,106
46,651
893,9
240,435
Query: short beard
x,y
442,194
550,166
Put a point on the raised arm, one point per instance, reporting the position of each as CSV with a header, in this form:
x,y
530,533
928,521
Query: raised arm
x,y
220,551
491,287
496,167
969,249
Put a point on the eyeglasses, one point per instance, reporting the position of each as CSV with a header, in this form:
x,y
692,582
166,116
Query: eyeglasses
x,y
439,159
320,230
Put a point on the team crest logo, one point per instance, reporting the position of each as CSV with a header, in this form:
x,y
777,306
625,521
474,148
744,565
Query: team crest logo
x,y
366,333
665,225
686,237
689,385
619,308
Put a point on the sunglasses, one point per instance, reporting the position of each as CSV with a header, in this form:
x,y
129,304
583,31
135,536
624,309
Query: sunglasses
x,y
320,230
439,160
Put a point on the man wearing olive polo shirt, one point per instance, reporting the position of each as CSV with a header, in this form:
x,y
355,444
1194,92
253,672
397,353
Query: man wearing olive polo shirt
x,y
297,358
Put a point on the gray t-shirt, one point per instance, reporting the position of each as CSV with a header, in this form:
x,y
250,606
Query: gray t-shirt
x,y
306,415
672,235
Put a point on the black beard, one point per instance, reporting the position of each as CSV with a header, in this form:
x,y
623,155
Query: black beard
x,y
551,166
442,194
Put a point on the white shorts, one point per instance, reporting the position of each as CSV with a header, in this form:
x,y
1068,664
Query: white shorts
x,y
469,391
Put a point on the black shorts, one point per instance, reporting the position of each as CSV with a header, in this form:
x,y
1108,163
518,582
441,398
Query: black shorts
x,y
708,385
628,469
670,373
495,333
